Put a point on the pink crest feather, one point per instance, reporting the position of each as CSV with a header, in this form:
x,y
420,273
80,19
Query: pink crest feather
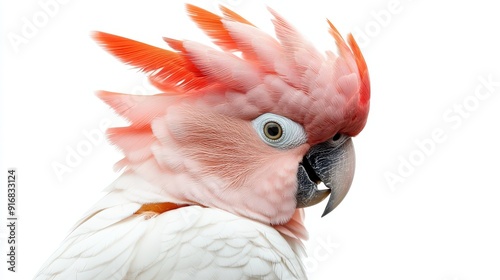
x,y
338,85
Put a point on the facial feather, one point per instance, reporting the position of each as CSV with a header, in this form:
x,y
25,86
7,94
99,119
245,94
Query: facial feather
x,y
238,172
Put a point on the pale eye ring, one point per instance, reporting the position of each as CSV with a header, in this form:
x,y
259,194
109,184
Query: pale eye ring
x,y
279,132
273,130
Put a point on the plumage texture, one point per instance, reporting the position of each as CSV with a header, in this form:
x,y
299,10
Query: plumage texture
x,y
201,196
112,241
186,243
325,92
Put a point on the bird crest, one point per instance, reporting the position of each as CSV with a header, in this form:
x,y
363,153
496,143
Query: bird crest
x,y
250,74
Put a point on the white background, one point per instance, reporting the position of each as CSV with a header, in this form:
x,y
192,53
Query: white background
x,y
441,220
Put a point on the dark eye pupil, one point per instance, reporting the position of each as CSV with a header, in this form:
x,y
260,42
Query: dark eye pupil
x,y
336,137
273,130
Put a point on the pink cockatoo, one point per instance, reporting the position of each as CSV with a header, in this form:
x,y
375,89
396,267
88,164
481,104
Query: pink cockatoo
x,y
218,167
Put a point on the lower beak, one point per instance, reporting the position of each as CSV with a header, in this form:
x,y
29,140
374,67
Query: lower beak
x,y
330,162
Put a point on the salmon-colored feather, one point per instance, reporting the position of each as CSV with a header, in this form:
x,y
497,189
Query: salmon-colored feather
x,y
363,71
215,27
193,68
344,49
138,109
355,52
143,56
212,25
166,68
229,14
175,44
130,138
235,73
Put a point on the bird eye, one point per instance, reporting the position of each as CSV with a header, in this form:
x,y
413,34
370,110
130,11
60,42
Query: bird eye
x,y
279,132
273,130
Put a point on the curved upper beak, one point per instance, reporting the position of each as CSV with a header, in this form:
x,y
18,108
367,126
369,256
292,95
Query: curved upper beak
x,y
332,163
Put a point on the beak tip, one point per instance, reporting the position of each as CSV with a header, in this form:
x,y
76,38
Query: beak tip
x,y
328,209
325,213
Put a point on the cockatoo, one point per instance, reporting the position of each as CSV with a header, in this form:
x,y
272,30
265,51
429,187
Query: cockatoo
x,y
218,167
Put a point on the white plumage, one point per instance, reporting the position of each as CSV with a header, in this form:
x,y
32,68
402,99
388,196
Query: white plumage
x,y
191,242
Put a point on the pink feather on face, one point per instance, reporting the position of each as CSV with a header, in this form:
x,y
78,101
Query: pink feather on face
x,y
225,153
195,140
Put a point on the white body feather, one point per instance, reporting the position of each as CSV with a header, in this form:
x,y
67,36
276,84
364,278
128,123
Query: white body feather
x,y
191,242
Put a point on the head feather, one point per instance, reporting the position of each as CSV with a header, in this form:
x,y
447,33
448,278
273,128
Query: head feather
x,y
336,86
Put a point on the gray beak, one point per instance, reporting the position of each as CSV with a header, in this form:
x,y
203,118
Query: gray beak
x,y
331,162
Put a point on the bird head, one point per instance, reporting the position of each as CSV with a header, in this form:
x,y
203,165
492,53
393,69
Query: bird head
x,y
252,126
